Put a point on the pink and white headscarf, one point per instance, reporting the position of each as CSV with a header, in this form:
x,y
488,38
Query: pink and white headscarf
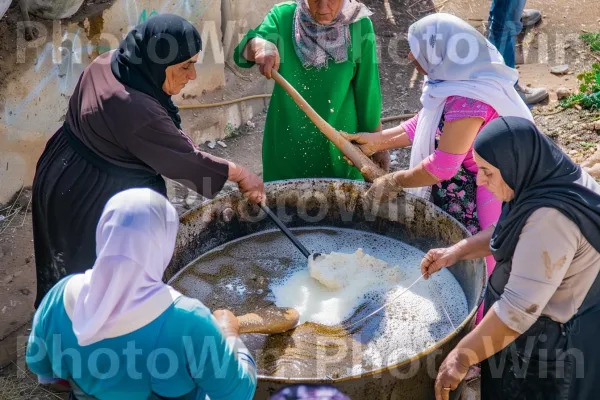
x,y
459,61
124,291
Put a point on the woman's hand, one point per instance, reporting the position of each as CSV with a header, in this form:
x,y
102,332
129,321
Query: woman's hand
x,y
451,373
367,142
382,158
263,53
436,259
227,322
383,190
250,185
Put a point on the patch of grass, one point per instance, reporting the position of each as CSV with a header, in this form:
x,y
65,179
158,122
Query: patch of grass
x,y
589,90
592,39
589,81
588,144
229,130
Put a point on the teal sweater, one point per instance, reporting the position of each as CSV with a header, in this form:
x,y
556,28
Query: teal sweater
x,y
182,354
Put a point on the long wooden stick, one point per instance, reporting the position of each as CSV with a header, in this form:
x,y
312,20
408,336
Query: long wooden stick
x,y
388,12
269,321
365,165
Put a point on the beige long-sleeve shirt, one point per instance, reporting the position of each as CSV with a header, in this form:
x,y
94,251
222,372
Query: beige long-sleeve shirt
x,y
553,268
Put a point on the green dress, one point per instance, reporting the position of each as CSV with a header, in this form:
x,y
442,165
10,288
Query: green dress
x,y
347,95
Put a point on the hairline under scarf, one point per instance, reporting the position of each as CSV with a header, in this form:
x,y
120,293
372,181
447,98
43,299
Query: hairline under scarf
x,y
134,65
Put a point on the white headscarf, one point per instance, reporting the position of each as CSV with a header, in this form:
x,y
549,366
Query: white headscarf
x,y
459,61
123,292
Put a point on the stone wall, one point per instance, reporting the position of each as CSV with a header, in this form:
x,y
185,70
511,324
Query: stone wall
x,y
38,77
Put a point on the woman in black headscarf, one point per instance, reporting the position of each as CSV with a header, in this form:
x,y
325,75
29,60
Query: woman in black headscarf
x,y
121,131
542,305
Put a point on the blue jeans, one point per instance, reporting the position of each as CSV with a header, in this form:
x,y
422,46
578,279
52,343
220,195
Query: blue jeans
x,y
504,26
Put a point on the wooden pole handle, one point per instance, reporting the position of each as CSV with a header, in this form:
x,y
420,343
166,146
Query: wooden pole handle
x,y
270,320
366,166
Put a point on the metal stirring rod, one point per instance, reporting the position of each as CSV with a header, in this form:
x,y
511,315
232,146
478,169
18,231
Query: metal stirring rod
x,y
287,232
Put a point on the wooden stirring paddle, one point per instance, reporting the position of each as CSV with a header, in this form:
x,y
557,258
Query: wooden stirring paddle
x,y
269,321
365,165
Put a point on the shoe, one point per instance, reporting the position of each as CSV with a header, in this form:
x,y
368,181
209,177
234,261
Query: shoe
x,y
530,18
532,95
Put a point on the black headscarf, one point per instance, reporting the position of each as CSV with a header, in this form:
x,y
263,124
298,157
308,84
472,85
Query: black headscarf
x,y
148,49
541,175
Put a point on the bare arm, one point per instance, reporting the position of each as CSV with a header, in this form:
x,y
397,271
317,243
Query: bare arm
x,y
457,139
393,138
474,247
477,246
388,139
459,135
488,338
415,177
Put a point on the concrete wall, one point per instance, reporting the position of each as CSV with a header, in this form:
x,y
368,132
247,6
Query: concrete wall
x,y
37,79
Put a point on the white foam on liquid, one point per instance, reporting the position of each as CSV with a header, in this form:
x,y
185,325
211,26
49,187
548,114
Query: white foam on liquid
x,y
415,321
335,285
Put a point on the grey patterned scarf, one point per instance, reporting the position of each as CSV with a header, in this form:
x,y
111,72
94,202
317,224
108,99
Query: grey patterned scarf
x,y
316,44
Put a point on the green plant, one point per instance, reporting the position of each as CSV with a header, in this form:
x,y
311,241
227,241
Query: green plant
x,y
588,144
592,39
589,90
229,130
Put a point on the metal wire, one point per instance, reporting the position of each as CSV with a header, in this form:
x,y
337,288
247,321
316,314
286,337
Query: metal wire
x,y
387,303
394,300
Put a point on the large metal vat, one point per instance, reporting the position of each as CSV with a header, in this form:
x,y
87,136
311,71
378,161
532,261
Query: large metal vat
x,y
336,203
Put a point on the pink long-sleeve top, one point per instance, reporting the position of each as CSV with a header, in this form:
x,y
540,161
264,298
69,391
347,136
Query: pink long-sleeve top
x,y
457,107
445,166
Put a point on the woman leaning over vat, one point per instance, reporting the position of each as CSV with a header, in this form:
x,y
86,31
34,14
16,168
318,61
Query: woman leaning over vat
x,y
467,85
326,49
539,336
122,130
118,332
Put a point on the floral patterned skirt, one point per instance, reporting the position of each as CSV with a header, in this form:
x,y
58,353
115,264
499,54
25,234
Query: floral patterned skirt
x,y
456,196
309,392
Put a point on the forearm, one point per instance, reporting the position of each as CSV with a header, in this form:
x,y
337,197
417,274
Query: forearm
x,y
415,177
229,332
488,338
393,138
476,246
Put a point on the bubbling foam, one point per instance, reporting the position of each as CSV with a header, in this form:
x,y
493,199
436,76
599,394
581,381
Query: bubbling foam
x,y
254,271
335,285
342,285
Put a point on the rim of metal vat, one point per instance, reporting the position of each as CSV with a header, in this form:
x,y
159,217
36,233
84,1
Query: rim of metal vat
x,y
362,185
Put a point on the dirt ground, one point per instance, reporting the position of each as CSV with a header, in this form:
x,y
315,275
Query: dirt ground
x,y
553,42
